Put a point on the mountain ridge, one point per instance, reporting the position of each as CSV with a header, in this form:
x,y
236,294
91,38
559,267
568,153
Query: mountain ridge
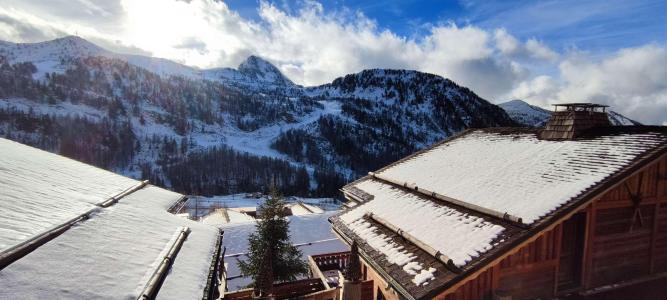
x,y
534,116
52,52
225,130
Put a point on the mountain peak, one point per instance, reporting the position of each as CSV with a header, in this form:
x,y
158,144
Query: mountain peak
x,y
258,68
75,42
523,113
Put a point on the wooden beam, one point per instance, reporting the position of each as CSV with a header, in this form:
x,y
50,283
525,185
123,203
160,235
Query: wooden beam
x,y
654,235
587,263
559,238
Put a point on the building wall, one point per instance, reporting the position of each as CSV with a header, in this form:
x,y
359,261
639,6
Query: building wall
x,y
613,248
623,248
379,284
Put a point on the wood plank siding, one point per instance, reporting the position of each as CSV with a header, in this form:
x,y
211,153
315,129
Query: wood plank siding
x,y
620,236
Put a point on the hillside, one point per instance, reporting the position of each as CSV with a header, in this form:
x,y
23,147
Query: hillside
x,y
224,130
534,116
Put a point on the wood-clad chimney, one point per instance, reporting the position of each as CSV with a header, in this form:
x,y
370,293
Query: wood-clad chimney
x,y
570,120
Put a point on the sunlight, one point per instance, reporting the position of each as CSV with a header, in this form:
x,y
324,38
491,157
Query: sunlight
x,y
169,29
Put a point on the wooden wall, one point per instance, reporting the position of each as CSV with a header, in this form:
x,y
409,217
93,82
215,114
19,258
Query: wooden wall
x,y
624,247
614,248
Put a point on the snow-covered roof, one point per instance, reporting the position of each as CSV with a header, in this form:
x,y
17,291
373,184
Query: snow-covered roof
x,y
453,200
508,173
112,254
466,236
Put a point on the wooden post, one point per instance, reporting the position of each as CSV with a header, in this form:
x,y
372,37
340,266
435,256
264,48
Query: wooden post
x,y
654,235
587,263
558,234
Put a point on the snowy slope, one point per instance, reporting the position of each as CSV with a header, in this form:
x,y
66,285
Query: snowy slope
x,y
526,114
336,131
55,55
620,120
534,116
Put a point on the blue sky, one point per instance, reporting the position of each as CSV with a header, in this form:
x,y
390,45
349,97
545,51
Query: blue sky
x,y
612,52
596,26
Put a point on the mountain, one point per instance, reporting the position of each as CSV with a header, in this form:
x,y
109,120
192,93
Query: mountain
x,y
55,56
224,130
256,68
534,116
526,114
621,120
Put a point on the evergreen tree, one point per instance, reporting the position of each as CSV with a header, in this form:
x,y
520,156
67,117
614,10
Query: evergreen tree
x,y
272,239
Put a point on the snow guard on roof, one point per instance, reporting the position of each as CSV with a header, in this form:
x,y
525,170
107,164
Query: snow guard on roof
x,y
569,120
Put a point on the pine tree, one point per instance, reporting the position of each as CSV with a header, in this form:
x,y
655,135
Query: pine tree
x,y
272,236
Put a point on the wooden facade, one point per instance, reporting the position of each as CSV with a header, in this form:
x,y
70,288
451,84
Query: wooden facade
x,y
618,237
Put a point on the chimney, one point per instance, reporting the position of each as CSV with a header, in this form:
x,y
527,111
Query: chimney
x,y
570,120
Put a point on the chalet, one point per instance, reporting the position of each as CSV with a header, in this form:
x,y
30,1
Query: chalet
x,y
576,209
72,231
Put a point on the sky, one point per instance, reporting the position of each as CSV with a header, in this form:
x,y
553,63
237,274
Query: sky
x,y
611,52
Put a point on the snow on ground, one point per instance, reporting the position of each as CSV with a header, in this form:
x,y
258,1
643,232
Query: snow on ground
x,y
526,114
314,229
457,235
60,109
259,142
224,216
468,168
40,190
299,209
200,206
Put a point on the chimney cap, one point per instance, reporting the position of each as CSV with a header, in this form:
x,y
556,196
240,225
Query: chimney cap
x,y
580,104
590,107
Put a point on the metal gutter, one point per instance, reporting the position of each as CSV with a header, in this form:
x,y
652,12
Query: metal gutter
x,y
503,216
421,245
113,200
155,282
22,249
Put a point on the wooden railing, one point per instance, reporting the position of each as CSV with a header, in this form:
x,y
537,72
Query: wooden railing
x,y
332,261
287,290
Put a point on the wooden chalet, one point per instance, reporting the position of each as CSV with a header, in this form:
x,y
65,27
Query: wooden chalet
x,y
578,209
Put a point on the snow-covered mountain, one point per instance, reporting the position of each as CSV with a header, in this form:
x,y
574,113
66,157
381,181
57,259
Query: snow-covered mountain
x,y
534,116
224,130
57,55
621,120
526,114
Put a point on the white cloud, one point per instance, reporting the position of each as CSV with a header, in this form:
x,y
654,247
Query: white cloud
x,y
312,46
508,45
537,49
632,81
505,42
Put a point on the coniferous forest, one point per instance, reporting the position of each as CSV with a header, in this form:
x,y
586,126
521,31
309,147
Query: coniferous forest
x,y
177,131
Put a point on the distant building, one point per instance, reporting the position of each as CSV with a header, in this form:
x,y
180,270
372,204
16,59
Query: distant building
x,y
72,231
579,208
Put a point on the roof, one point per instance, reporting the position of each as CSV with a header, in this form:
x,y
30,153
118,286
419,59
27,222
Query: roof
x,y
473,197
110,255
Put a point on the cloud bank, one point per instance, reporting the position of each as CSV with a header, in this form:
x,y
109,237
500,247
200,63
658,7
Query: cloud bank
x,y
313,46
